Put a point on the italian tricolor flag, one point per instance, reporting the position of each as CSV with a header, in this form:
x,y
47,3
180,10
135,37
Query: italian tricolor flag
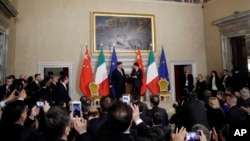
x,y
152,75
101,76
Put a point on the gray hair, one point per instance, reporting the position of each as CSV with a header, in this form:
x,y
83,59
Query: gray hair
x,y
206,132
244,93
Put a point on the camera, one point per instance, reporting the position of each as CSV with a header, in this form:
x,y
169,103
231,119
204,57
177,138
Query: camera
x,y
126,99
76,108
192,136
39,104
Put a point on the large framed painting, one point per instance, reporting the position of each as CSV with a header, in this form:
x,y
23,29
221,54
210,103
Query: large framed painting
x,y
125,31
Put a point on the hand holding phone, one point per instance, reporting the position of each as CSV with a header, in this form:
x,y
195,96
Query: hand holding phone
x,y
192,136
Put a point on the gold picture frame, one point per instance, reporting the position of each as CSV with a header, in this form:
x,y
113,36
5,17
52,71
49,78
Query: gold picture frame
x,y
125,31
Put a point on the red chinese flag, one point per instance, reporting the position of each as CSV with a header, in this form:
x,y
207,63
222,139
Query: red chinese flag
x,y
86,75
139,61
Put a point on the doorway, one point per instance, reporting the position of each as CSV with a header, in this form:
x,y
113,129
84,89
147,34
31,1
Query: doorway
x,y
177,70
178,74
239,54
60,71
66,68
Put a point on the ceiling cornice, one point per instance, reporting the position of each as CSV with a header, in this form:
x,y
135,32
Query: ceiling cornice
x,y
8,9
233,18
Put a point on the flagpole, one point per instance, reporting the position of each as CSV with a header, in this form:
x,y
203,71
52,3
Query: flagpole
x,y
86,45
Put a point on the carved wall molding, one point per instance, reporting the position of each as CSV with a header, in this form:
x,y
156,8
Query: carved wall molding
x,y
235,25
8,9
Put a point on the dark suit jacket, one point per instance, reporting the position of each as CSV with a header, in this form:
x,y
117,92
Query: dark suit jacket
x,y
53,90
106,134
238,80
216,118
137,82
118,81
95,124
190,79
166,130
17,132
45,94
35,87
228,82
63,93
246,103
236,117
196,113
162,111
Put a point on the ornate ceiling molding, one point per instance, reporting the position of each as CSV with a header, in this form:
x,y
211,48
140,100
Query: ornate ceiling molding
x,y
233,18
8,9
239,21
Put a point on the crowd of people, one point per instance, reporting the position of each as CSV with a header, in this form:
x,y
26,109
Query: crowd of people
x,y
205,114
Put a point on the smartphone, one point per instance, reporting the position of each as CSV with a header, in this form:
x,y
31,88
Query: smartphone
x,y
126,98
39,104
76,108
17,93
192,136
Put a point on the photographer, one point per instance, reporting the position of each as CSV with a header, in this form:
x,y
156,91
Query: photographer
x,y
179,117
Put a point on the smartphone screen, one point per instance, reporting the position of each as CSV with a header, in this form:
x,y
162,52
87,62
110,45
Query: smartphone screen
x,y
17,93
76,109
126,99
192,136
39,104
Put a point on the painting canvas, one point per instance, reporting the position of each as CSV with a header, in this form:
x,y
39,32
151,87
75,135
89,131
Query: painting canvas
x,y
125,32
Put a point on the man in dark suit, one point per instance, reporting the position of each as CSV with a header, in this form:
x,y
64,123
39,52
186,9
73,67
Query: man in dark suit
x,y
136,76
118,80
53,88
187,83
157,123
196,111
154,102
226,80
237,118
35,85
95,124
62,89
117,126
5,88
44,93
